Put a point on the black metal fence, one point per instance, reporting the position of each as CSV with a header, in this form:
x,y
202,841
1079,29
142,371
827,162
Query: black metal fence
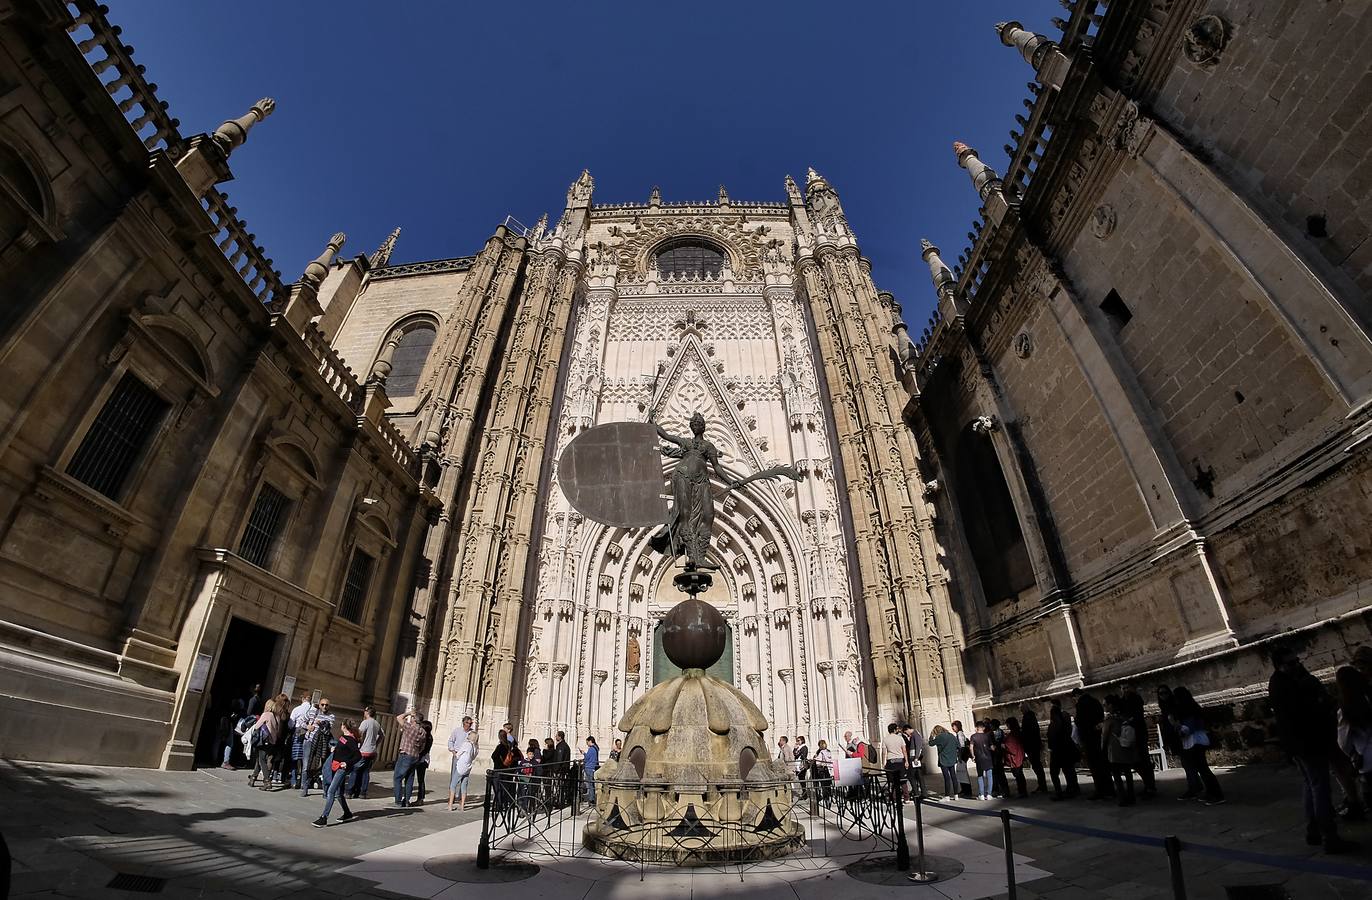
x,y
815,820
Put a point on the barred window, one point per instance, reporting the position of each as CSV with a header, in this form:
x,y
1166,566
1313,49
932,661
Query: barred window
x,y
408,360
264,526
692,258
355,586
118,436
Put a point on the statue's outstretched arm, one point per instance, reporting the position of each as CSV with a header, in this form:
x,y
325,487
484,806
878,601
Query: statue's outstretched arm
x,y
666,436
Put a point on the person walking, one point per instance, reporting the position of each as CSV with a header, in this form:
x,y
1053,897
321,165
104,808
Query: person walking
x,y
1062,751
1090,715
983,754
945,744
411,749
1032,739
370,733
1014,754
346,756
590,761
1305,719
463,750
1195,743
1117,738
1355,723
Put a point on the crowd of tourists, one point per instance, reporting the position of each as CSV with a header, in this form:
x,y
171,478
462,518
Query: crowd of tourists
x,y
1327,735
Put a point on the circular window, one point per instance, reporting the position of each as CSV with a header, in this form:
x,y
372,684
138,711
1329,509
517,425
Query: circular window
x,y
689,258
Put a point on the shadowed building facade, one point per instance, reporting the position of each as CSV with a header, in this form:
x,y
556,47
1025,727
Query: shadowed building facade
x,y
1130,446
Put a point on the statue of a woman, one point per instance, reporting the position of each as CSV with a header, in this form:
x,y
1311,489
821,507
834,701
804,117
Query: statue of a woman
x,y
691,518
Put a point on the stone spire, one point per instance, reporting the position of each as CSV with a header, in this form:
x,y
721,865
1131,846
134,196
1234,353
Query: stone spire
x,y
318,270
231,135
792,191
813,178
655,198
988,184
723,196
944,282
382,256
1038,51
581,188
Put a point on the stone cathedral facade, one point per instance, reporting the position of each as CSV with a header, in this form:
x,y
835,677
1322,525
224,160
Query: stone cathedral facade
x,y
1131,445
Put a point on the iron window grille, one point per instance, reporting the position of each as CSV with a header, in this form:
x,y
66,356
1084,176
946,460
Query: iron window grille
x,y
355,585
264,526
689,259
407,362
118,436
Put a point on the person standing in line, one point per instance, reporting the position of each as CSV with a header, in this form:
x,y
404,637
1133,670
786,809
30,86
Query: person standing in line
x,y
301,715
784,753
510,734
893,752
945,743
1118,737
318,736
1090,715
999,786
1032,739
914,760
849,745
345,757
463,758
802,763
616,750
503,763
255,704
265,731
1171,742
822,767
422,767
411,749
964,757
564,769
1195,742
983,754
1305,718
227,734
1014,755
369,734
590,761
1143,759
1063,752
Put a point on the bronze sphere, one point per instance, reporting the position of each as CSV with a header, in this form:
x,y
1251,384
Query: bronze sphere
x,y
693,634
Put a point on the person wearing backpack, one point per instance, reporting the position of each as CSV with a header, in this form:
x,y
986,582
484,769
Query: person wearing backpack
x,y
346,757
264,733
369,735
1118,738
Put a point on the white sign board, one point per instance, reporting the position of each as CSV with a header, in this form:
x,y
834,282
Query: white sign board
x,y
200,672
288,686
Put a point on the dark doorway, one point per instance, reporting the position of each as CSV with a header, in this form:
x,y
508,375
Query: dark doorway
x,y
245,659
989,519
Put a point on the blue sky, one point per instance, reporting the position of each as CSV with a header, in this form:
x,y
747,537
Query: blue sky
x,y
442,118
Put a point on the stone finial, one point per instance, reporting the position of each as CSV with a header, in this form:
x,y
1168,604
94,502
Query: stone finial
x,y
811,177
723,196
234,132
382,256
655,198
984,178
792,190
540,228
316,271
943,277
581,188
1038,51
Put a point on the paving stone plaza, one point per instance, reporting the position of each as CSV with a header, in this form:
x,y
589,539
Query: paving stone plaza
x,y
207,835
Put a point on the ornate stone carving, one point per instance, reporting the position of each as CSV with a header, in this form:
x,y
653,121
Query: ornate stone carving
x,y
1132,130
1024,345
1204,42
1103,221
985,424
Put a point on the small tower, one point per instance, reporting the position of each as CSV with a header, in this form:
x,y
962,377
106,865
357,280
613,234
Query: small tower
x,y
988,184
1049,62
206,163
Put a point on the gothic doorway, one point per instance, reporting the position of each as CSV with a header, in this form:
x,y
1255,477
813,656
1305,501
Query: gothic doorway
x,y
664,668
245,659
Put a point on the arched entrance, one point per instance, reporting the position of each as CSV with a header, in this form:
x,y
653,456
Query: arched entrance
x,y
664,668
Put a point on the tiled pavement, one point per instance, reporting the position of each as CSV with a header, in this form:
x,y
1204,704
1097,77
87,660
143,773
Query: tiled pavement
x,y
71,829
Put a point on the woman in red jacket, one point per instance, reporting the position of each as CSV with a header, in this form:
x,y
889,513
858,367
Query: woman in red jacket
x,y
347,755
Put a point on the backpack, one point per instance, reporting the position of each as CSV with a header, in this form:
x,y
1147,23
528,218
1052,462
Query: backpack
x,y
1126,735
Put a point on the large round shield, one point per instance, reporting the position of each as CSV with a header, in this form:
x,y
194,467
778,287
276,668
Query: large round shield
x,y
612,474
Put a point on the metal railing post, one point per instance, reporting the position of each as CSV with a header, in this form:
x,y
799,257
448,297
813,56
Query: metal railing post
x,y
902,845
1009,855
919,875
1173,848
483,847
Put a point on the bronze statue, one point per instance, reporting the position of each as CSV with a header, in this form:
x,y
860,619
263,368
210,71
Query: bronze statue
x,y
691,518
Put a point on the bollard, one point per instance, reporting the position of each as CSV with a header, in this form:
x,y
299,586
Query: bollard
x,y
1009,855
483,847
1173,848
918,874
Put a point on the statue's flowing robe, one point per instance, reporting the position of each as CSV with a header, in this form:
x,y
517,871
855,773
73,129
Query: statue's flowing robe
x,y
692,516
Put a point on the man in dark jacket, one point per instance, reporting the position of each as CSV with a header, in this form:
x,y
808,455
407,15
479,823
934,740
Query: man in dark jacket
x,y
1306,725
562,766
1033,744
1089,715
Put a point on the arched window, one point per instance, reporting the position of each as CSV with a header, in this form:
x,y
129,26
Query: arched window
x,y
21,199
408,360
689,258
989,519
